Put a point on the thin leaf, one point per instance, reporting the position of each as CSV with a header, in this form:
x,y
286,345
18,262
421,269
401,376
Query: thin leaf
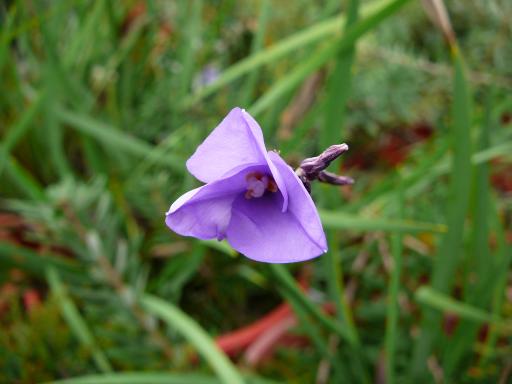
x,y
441,302
317,32
257,45
117,139
479,272
284,278
23,179
342,220
187,326
152,378
392,316
75,320
449,253
338,92
18,130
141,378
36,263
295,77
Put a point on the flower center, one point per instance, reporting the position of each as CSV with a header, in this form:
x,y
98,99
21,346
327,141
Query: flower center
x,y
258,183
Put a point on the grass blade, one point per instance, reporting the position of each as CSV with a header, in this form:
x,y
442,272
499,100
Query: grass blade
x,y
189,44
449,251
177,319
480,274
294,78
23,179
393,290
141,378
113,138
16,132
502,263
257,45
289,82
152,378
75,320
320,31
342,220
36,263
339,87
289,285
441,302
338,92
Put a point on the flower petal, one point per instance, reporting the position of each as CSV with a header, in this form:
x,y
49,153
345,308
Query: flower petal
x,y
262,232
275,173
205,212
233,143
236,141
300,203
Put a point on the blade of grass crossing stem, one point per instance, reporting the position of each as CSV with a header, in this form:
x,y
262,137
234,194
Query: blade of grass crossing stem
x,y
272,117
322,30
295,77
479,279
448,256
180,321
393,290
337,96
257,45
444,303
75,321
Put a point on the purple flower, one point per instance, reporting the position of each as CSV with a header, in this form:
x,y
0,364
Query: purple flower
x,y
251,198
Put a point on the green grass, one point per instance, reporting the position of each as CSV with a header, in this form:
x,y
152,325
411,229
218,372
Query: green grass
x,y
101,106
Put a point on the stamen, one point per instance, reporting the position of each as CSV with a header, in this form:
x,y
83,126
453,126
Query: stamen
x,y
272,186
258,184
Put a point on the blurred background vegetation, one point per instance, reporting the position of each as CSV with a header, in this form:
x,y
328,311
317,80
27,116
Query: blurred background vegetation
x,y
101,104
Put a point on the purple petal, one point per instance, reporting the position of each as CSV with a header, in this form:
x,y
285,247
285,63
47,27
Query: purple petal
x,y
261,231
233,143
237,141
205,212
300,203
275,173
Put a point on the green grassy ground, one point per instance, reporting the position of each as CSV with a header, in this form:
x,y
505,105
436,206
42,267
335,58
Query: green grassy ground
x,y
101,104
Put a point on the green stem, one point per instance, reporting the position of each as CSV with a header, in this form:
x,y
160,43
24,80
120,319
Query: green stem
x,y
394,285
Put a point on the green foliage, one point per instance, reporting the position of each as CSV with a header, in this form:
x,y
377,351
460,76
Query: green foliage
x,y
37,346
102,103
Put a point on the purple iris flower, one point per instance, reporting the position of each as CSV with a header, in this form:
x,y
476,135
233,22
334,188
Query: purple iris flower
x,y
251,198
